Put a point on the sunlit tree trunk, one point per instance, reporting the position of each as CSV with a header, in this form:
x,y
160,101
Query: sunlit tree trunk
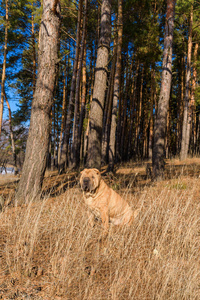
x,y
180,105
38,140
97,105
187,115
163,104
3,77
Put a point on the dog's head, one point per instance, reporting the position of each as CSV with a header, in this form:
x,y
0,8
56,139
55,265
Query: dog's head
x,y
90,180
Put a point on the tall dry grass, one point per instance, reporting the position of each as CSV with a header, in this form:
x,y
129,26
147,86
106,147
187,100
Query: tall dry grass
x,y
48,250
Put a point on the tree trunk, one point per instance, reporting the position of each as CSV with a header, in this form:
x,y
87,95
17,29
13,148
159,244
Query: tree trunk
x,y
64,151
116,90
132,106
38,140
151,111
97,106
139,114
4,69
180,105
161,118
83,103
63,120
187,105
194,79
107,112
77,136
34,51
125,106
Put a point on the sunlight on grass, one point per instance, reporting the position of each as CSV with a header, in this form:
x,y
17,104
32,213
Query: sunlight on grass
x,y
49,248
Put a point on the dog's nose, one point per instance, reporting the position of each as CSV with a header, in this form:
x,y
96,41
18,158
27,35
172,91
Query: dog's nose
x,y
86,180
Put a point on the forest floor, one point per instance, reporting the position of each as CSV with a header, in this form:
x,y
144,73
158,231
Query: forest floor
x,y
48,250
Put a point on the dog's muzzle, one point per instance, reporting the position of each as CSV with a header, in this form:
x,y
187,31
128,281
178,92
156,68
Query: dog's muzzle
x,y
86,184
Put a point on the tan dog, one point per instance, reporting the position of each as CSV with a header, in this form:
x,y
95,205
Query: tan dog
x,y
103,201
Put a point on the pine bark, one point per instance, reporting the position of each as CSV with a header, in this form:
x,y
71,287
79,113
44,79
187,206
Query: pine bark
x,y
187,114
38,139
163,104
108,109
97,105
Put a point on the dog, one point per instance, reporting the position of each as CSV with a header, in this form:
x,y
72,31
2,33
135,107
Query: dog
x,y
104,202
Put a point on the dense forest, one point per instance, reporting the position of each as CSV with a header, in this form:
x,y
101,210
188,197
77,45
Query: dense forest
x,y
97,83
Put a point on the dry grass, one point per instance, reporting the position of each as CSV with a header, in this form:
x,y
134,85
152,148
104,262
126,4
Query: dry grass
x,y
48,250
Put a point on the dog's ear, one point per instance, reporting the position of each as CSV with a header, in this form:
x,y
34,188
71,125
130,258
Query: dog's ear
x,y
97,171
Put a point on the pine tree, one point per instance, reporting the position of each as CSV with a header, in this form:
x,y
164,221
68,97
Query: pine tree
x,y
161,118
97,105
38,141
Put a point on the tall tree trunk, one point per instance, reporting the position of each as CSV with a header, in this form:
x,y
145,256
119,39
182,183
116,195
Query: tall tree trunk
x,y
38,139
180,105
34,51
116,90
4,69
125,105
97,106
63,120
132,106
161,118
139,113
151,111
107,112
91,84
187,114
194,79
83,103
65,147
76,136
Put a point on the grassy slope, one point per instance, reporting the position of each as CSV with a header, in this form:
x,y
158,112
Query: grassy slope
x,y
48,250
